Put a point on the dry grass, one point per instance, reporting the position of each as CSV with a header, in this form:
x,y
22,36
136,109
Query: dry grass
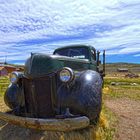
x,y
4,82
128,88
106,127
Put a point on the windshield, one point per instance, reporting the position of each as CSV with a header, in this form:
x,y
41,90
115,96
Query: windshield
x,y
80,53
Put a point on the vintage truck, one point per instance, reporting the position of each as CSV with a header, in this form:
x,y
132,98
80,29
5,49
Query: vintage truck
x,y
59,92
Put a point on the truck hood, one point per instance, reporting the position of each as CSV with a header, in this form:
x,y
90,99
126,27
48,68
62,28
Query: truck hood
x,y
41,64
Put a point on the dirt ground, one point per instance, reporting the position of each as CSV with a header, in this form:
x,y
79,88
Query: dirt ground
x,y
128,113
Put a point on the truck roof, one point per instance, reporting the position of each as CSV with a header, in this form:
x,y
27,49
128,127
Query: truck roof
x,y
75,46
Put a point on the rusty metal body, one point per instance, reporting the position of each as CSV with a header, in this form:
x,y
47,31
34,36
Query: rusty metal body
x,y
40,95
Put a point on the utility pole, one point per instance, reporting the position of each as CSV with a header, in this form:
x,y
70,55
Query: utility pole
x,y
5,62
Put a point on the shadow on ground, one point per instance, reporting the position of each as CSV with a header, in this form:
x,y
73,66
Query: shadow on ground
x,y
13,132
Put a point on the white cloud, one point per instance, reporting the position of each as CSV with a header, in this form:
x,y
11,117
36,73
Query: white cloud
x,y
137,55
112,25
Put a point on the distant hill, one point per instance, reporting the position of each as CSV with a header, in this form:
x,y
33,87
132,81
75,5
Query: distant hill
x,y
112,67
8,64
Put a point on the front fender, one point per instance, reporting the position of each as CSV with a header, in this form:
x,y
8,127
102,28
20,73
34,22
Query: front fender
x,y
13,97
84,96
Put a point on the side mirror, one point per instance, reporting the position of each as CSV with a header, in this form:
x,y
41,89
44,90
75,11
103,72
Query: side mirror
x,y
102,72
103,63
98,58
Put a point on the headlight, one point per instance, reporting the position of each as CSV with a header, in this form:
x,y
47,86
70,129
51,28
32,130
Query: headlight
x,y
14,77
66,75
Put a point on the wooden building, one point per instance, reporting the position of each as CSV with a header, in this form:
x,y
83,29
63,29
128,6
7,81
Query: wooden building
x,y
6,69
122,70
3,71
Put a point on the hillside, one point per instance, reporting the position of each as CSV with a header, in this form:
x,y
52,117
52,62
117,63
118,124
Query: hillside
x,y
111,68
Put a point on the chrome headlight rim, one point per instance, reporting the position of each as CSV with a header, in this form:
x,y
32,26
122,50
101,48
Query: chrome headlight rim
x,y
70,72
14,80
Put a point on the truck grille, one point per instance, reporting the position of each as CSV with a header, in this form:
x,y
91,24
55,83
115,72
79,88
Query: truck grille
x,y
38,97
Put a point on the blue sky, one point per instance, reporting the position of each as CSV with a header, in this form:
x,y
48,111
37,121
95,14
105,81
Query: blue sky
x,y
41,26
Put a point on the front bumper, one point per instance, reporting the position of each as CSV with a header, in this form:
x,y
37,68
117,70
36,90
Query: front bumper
x,y
66,124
